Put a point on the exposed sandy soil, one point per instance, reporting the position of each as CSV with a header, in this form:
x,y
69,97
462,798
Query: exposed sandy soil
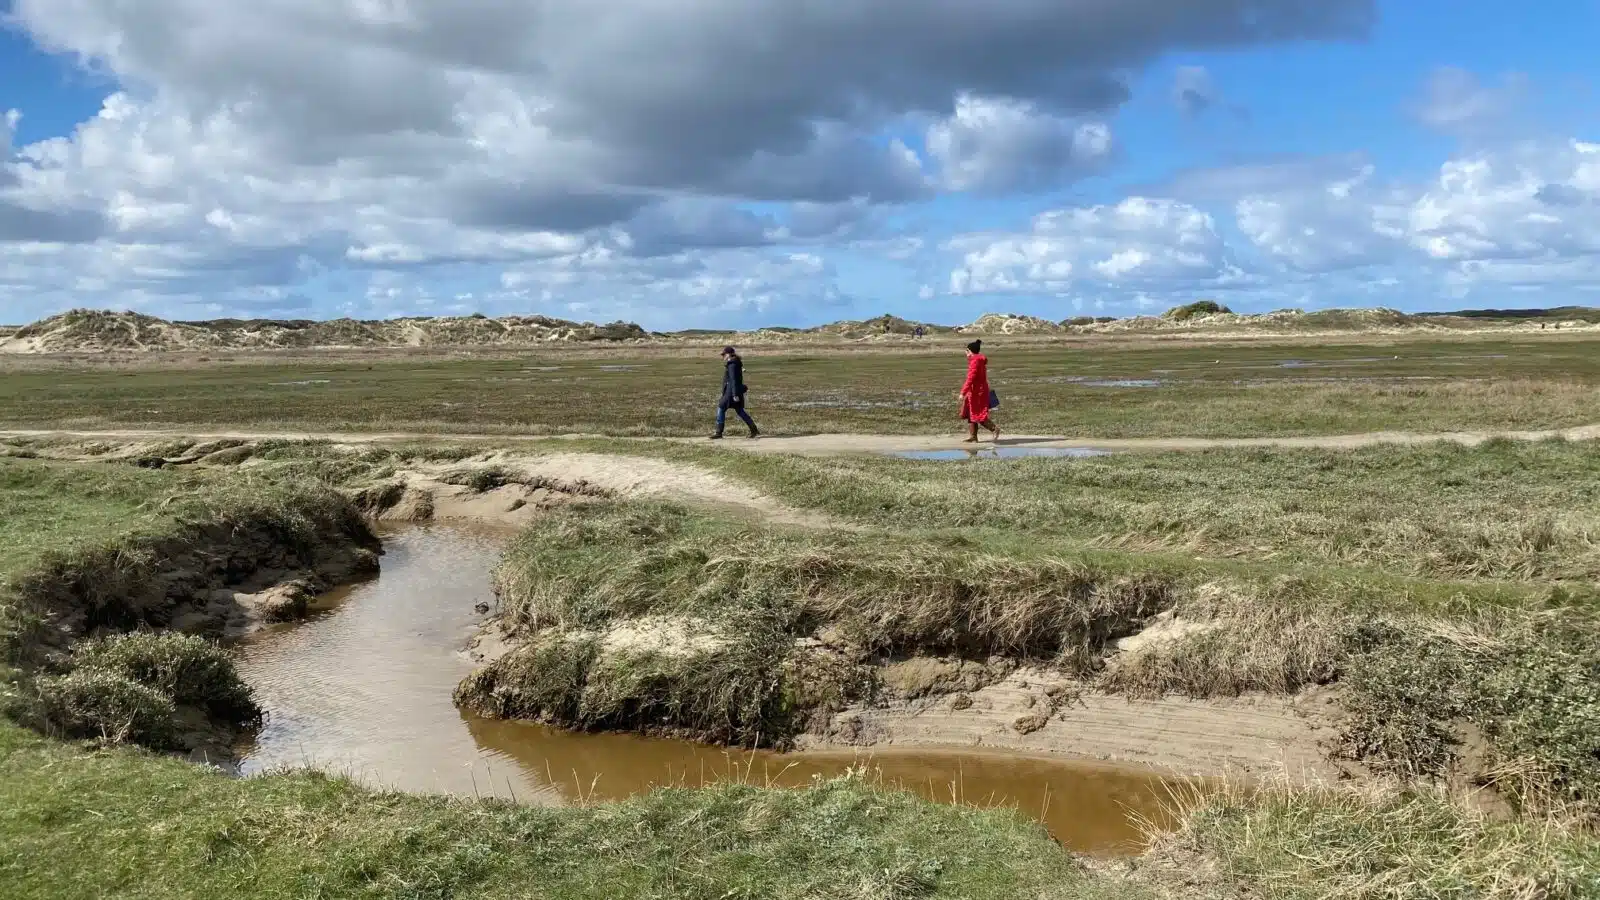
x,y
1255,736
545,481
643,477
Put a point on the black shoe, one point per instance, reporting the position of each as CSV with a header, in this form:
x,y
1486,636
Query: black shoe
x,y
755,432
717,436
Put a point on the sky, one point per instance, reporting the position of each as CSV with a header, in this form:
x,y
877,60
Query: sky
x,y
736,163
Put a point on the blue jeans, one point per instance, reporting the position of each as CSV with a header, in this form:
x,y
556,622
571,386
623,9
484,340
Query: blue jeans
x,y
738,408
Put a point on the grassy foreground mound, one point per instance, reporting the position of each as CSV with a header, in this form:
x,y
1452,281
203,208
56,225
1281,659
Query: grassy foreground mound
x,y
1368,845
119,823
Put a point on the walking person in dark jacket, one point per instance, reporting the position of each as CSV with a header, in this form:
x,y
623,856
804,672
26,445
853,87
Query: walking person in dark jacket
x,y
732,393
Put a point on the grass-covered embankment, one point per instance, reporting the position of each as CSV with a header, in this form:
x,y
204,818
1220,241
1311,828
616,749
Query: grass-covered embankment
x,y
1451,591
649,616
1507,510
99,561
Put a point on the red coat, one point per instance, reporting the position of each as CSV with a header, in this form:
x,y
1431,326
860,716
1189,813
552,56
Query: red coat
x,y
975,390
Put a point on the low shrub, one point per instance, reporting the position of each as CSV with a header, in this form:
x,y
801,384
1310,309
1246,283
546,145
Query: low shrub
x,y
1253,647
480,480
542,680
189,670
99,705
1198,308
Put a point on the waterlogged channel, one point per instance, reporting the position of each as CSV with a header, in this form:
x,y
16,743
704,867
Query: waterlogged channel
x,y
363,688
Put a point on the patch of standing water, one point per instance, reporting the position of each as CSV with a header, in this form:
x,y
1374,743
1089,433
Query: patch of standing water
x,y
991,452
1086,381
1122,382
364,688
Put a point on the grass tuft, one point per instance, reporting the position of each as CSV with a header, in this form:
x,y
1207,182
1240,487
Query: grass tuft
x,y
1314,844
1531,691
96,704
189,670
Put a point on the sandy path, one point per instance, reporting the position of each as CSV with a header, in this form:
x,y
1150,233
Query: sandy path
x,y
639,476
841,444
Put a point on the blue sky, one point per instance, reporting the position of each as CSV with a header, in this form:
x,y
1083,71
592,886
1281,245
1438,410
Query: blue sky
x,y
747,162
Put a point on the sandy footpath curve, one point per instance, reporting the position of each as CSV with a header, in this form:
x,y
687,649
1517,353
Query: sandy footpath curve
x,y
840,444
638,476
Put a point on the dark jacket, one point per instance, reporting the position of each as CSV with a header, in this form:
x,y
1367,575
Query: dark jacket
x,y
733,382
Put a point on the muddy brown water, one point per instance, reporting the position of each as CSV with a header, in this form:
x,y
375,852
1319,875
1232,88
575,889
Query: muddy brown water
x,y
363,688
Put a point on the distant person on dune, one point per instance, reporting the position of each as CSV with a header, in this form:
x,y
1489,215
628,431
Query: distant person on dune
x,y
733,391
976,398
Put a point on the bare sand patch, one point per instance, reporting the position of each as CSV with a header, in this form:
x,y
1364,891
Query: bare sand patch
x,y
1037,711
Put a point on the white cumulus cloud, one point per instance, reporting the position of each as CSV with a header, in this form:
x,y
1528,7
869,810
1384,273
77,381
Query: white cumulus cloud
x,y
1000,145
1140,243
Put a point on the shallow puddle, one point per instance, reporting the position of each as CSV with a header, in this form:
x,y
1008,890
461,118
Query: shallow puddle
x,y
1122,382
1099,382
363,688
1003,453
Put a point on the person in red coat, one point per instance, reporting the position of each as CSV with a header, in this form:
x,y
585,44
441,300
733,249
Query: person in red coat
x,y
975,394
